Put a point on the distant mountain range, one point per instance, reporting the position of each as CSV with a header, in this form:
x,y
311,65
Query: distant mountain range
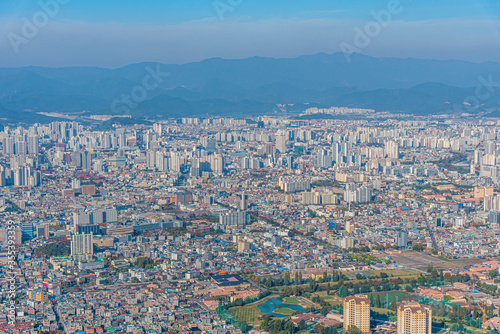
x,y
252,86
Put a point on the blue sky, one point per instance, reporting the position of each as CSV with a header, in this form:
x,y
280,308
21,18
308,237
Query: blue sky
x,y
114,33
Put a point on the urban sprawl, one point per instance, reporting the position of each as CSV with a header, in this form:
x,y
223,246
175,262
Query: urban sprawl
x,y
262,225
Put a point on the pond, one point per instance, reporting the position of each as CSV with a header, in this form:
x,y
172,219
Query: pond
x,y
272,304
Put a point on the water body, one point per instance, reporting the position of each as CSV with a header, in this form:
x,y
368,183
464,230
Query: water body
x,y
272,304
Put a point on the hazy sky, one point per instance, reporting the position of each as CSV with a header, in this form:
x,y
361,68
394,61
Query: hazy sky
x,y
113,33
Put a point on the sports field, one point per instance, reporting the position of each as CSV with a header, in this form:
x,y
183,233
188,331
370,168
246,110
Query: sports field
x,y
248,315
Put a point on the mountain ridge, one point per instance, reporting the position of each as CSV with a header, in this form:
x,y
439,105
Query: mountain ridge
x,y
216,86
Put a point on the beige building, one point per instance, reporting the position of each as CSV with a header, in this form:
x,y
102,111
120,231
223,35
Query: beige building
x,y
482,192
414,318
357,313
350,227
243,246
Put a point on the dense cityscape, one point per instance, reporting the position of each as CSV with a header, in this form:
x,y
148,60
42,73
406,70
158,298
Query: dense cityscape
x,y
266,224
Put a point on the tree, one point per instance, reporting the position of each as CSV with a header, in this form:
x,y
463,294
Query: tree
x,y
394,306
378,304
286,278
320,328
278,325
144,262
434,273
324,311
418,247
265,321
353,330
289,327
492,274
302,325
54,249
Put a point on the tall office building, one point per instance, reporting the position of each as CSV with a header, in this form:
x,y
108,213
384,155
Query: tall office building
x,y
290,162
357,313
82,247
243,202
402,238
27,231
494,217
42,231
76,159
86,160
414,318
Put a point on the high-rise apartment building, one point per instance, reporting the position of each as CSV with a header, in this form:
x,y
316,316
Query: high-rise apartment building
x,y
82,247
414,318
281,143
233,218
392,149
33,145
357,313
